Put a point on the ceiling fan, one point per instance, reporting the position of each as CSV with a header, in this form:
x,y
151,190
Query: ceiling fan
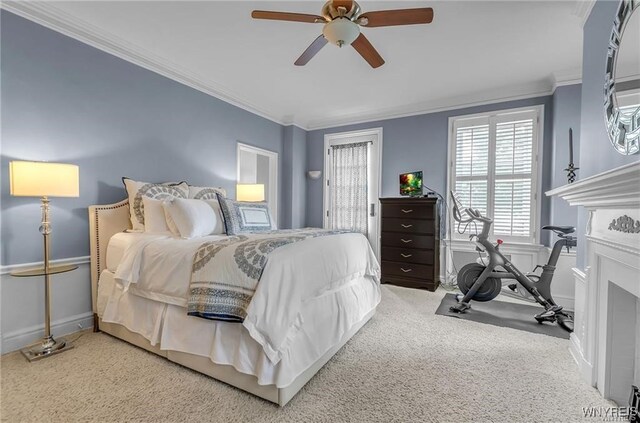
x,y
342,20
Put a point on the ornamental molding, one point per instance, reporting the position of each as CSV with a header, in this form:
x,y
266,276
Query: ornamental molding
x,y
611,244
625,224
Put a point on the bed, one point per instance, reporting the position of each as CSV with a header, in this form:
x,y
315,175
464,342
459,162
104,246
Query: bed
x,y
152,313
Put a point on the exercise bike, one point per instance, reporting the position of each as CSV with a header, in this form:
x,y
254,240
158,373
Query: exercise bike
x,y
483,282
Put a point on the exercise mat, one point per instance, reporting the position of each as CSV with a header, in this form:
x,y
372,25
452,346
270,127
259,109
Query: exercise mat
x,y
505,314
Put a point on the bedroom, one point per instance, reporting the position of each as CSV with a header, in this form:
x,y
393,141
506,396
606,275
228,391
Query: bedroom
x,y
201,92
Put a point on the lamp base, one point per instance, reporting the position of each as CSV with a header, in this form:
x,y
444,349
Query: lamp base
x,y
46,348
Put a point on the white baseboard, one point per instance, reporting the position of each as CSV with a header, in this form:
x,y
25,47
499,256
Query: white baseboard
x,y
16,340
586,369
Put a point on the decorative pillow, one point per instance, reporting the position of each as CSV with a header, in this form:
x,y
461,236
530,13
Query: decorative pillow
x,y
154,219
240,216
215,205
206,193
191,218
138,190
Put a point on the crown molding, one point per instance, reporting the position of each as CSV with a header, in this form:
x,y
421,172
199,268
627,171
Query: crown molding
x,y
418,109
583,9
45,14
559,79
49,16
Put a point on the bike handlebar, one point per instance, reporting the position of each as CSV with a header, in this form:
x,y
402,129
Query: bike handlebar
x,y
474,214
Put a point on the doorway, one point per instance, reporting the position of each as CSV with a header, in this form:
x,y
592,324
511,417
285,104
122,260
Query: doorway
x,y
259,166
352,182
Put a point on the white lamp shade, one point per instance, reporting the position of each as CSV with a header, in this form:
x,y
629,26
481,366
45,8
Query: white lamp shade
x,y
341,31
42,179
250,192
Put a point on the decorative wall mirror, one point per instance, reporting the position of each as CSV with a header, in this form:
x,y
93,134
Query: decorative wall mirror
x,y
622,80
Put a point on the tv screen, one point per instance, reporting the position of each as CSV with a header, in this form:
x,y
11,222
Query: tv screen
x,y
411,183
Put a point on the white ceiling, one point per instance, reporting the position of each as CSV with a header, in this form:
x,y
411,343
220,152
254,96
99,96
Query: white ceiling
x,y
473,52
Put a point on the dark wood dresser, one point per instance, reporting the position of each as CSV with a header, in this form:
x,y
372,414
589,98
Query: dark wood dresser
x,y
410,242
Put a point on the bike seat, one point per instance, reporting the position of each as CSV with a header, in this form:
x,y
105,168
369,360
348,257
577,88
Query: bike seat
x,y
563,229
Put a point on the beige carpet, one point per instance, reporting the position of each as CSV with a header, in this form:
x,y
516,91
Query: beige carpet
x,y
406,364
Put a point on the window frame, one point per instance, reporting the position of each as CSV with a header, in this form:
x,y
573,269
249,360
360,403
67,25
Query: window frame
x,y
492,118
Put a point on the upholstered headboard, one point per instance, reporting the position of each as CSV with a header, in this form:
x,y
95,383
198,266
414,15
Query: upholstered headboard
x,y
104,222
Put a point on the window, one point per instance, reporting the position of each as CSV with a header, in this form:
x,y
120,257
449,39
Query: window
x,y
494,168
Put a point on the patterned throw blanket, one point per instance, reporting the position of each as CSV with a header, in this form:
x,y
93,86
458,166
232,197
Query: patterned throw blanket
x,y
225,273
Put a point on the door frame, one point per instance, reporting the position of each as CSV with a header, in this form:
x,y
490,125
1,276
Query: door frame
x,y
344,138
272,197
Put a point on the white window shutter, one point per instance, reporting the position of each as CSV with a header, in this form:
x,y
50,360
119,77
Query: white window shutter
x,y
494,169
514,165
472,164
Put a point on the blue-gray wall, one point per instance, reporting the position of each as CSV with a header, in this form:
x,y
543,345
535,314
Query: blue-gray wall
x,y
566,114
64,101
596,153
420,143
294,185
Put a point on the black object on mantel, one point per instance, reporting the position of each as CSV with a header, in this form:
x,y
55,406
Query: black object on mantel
x,y
571,169
410,242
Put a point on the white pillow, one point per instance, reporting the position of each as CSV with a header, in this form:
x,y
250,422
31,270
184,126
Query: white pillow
x,y
154,218
191,218
215,205
219,229
137,190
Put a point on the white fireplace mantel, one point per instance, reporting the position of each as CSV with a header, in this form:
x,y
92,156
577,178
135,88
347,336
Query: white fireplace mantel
x,y
618,188
606,340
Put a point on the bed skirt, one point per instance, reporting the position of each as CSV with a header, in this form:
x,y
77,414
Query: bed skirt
x,y
228,374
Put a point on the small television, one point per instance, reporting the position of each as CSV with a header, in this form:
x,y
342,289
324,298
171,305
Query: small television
x,y
411,183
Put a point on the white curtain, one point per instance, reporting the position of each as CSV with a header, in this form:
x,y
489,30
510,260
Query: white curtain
x,y
349,187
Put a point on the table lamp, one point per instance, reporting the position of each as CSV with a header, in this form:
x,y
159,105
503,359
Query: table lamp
x,y
250,192
41,179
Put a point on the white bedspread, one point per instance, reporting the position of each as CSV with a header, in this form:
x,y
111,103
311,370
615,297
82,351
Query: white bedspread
x,y
159,268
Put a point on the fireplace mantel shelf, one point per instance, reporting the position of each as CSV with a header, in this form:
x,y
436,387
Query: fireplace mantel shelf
x,y
618,188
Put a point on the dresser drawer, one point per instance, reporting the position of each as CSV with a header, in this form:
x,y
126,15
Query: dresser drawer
x,y
392,239
408,211
413,226
407,270
407,255
411,283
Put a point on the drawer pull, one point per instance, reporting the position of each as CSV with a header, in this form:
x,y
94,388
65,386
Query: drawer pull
x,y
406,241
405,226
405,270
407,211
406,255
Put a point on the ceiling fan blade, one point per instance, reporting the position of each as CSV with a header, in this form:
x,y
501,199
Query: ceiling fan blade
x,y
286,16
311,51
398,17
367,51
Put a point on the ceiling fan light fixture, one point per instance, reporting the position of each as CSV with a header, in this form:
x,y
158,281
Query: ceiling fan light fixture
x,y
341,31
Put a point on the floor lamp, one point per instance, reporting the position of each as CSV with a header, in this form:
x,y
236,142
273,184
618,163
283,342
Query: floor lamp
x,y
42,179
